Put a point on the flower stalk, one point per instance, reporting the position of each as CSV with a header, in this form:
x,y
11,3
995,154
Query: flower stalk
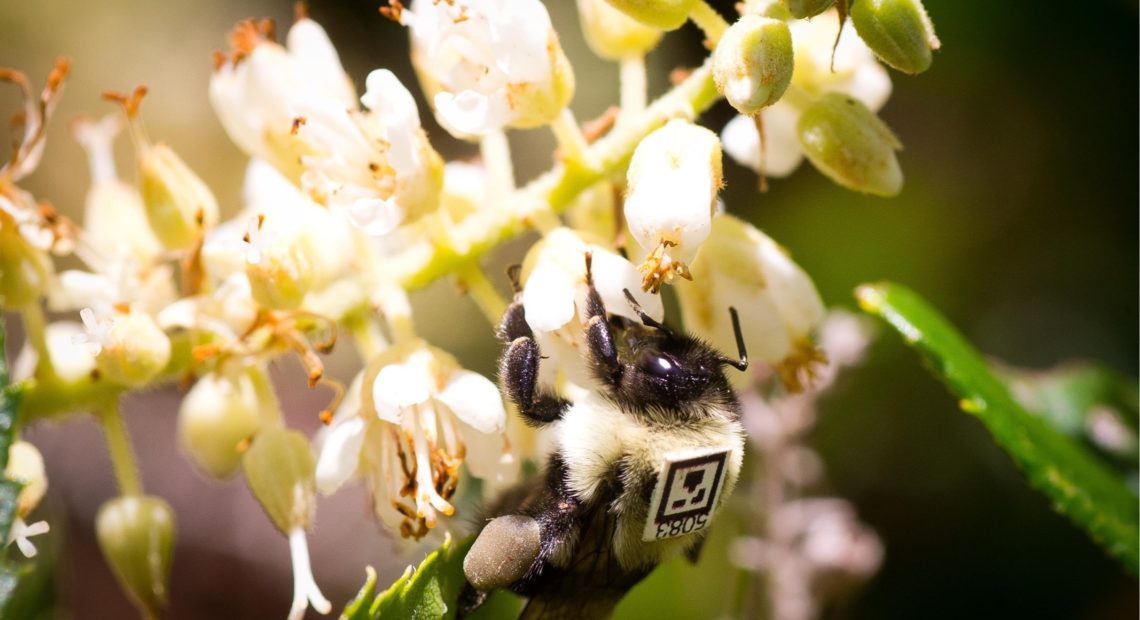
x,y
119,449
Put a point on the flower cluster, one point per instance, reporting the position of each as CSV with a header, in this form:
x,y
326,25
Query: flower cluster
x,y
347,207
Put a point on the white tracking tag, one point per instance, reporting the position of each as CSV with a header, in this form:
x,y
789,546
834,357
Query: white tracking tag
x,y
688,485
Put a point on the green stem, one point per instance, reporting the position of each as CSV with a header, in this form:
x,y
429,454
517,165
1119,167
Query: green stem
x,y
35,327
119,448
570,139
707,19
269,407
366,334
483,292
427,258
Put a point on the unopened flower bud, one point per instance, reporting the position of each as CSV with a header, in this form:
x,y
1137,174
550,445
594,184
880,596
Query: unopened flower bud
x,y
24,268
113,215
673,180
752,64
178,204
801,9
664,14
220,412
279,266
852,146
898,31
26,466
130,347
136,534
613,35
280,469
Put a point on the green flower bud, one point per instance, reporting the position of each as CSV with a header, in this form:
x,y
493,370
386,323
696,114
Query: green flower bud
x,y
136,534
849,144
752,64
663,14
220,412
613,35
898,31
801,9
24,269
133,349
280,470
178,204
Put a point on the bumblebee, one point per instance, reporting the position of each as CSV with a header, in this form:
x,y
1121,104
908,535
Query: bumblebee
x,y
640,467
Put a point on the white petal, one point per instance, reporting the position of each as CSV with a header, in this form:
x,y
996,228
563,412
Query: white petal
x,y
791,289
871,84
310,46
488,459
470,113
387,96
475,400
548,298
77,289
520,31
782,146
398,386
375,216
340,454
765,334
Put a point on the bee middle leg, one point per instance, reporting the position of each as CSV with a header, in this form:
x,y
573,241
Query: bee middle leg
x,y
518,369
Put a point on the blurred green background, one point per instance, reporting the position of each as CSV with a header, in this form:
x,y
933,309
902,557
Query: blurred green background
x,y
1018,220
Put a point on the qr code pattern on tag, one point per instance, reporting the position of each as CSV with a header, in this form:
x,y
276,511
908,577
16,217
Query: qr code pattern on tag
x,y
685,495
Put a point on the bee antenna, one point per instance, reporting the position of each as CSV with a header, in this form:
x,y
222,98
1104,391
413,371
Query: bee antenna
x,y
513,273
742,363
646,320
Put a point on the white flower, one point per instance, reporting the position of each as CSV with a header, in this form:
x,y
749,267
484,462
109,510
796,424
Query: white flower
x,y
856,73
297,110
255,94
377,164
489,64
407,422
673,178
779,308
554,292
20,532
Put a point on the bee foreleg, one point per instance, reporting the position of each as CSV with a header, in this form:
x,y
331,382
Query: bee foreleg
x,y
599,337
518,370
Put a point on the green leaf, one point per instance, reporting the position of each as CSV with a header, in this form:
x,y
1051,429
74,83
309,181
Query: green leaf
x,y
9,403
10,574
430,591
1073,397
1080,486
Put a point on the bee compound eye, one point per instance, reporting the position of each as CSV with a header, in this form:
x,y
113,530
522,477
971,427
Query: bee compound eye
x,y
660,365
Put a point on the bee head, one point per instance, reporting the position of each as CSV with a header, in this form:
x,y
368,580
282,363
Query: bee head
x,y
669,370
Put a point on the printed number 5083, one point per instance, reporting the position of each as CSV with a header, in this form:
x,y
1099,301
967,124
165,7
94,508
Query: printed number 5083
x,y
676,527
